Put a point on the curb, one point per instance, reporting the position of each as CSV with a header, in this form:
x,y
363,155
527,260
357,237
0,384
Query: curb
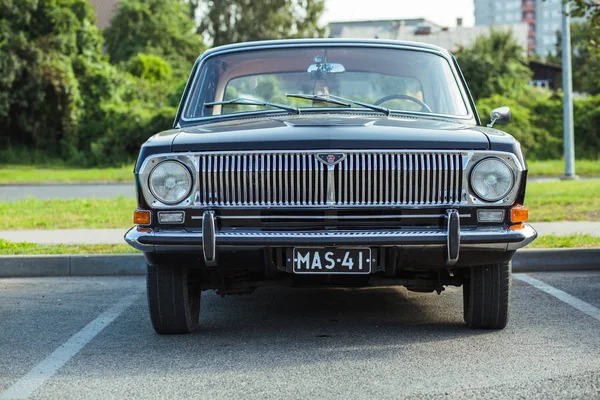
x,y
534,260
556,260
72,265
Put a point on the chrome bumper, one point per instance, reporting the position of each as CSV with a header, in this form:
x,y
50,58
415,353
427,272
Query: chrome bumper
x,y
209,240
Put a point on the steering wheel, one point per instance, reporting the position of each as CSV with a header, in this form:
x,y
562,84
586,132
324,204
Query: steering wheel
x,y
424,107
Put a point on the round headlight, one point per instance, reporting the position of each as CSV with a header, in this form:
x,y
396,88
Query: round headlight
x,y
170,182
492,179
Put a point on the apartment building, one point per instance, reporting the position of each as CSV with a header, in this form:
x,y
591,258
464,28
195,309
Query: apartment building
x,y
542,17
424,31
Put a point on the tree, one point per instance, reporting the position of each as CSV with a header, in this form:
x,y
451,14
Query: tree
x,y
232,21
494,64
584,58
51,61
161,27
589,9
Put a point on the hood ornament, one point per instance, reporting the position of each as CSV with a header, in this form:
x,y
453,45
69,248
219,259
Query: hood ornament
x,y
330,159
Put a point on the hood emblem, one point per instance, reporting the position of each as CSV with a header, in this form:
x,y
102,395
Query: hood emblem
x,y
330,159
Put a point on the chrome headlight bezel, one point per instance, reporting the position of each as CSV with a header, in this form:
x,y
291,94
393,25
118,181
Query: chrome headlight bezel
x,y
510,175
189,177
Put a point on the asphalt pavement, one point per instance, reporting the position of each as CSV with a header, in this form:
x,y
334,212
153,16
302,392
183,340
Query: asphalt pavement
x,y
91,338
67,191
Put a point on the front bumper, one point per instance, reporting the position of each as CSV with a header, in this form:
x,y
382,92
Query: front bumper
x,y
209,240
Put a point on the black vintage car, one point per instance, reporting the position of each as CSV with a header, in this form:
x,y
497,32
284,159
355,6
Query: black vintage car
x,y
329,162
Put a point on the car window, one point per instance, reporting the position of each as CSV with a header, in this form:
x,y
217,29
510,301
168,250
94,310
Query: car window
x,y
398,79
362,86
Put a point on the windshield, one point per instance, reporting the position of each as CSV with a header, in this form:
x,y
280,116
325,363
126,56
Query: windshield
x,y
398,80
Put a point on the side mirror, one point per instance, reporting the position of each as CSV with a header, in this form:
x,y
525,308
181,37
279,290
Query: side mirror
x,y
500,115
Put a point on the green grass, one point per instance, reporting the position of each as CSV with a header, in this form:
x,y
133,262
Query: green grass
x,y
67,214
568,241
11,174
563,201
23,248
557,168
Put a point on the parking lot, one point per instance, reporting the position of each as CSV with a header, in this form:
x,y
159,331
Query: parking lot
x,y
91,338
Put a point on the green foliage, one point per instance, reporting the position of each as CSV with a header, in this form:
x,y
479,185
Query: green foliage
x,y
124,130
591,11
62,100
161,27
494,64
149,67
584,58
232,21
586,114
537,123
50,61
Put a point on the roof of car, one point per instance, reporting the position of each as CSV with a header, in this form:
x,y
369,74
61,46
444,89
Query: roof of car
x,y
306,42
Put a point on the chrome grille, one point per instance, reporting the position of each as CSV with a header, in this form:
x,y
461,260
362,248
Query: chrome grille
x,y
360,179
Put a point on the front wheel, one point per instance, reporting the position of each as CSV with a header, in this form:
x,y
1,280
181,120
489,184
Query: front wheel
x,y
173,299
486,296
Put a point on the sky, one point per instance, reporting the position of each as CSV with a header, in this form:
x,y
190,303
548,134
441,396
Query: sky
x,y
442,12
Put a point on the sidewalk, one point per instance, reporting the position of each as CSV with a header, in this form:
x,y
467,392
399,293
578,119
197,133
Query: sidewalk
x,y
115,236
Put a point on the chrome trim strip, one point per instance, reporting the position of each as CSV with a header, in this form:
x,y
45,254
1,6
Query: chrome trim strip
x,y
279,175
490,238
266,196
422,174
321,217
220,173
330,185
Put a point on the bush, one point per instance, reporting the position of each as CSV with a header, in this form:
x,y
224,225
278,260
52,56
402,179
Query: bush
x,y
149,67
537,122
586,115
126,130
47,48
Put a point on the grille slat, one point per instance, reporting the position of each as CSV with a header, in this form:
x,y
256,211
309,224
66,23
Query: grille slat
x,y
361,178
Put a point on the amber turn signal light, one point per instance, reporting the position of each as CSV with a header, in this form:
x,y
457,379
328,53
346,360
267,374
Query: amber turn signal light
x,y
519,214
142,217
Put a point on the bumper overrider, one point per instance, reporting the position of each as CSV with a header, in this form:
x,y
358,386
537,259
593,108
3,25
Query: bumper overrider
x,y
208,239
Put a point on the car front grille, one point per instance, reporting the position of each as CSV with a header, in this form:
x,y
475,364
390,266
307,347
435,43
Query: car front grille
x,y
301,179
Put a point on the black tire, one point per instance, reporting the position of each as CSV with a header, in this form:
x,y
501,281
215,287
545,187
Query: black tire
x,y
486,296
173,299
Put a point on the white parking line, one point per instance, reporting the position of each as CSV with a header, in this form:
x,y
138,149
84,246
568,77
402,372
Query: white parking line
x,y
581,305
35,378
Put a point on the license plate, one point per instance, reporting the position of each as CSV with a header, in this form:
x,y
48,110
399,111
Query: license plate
x,y
334,260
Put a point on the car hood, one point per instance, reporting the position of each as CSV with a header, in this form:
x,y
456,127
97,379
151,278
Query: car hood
x,y
312,132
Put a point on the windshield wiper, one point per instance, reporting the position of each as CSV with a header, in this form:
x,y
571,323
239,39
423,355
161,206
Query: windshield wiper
x,y
325,98
251,102
329,98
